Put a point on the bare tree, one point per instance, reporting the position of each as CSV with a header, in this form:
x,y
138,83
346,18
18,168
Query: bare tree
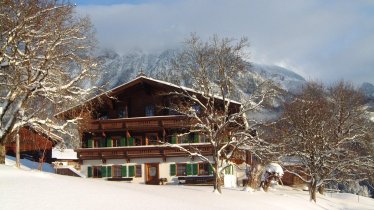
x,y
45,61
327,130
212,68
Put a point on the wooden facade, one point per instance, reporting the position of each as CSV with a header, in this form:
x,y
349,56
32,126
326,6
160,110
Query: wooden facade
x,y
126,132
34,143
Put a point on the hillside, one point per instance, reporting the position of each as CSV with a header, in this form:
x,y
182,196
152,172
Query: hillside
x,y
117,69
31,189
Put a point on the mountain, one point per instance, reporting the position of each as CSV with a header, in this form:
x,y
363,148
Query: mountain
x,y
368,90
119,69
285,78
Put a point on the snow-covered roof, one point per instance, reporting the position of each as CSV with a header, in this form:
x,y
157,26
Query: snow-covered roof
x,y
140,79
274,168
64,154
40,130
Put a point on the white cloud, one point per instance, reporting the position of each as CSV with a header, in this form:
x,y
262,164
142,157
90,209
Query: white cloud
x,y
322,39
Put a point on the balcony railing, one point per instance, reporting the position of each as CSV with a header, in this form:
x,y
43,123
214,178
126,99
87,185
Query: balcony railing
x,y
162,151
138,123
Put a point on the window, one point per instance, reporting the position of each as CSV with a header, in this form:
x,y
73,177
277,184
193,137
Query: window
x,y
103,116
138,171
96,172
185,139
138,140
152,138
117,171
197,108
149,110
181,169
116,142
189,138
123,112
89,144
96,143
194,169
204,169
203,138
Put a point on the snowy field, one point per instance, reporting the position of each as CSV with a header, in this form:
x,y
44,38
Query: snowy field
x,y
31,189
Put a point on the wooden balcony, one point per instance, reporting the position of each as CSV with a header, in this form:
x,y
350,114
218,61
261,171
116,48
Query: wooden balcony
x,y
137,123
129,152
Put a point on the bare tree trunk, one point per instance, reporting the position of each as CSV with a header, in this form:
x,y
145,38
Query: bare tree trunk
x,y
41,160
217,179
2,153
313,190
321,189
18,165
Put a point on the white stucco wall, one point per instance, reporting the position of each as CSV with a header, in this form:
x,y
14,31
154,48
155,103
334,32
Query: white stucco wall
x,y
164,166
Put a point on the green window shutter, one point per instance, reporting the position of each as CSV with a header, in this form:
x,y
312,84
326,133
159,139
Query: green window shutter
x,y
109,142
189,169
174,139
131,171
103,171
210,170
195,168
123,141
102,142
124,171
173,170
196,138
131,141
109,171
89,171
90,143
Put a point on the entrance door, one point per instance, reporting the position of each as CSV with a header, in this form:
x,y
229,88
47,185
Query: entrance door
x,y
152,173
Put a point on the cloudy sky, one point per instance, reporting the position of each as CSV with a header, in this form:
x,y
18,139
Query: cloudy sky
x,y
319,39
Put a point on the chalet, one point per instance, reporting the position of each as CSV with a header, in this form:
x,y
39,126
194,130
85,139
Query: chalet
x,y
122,138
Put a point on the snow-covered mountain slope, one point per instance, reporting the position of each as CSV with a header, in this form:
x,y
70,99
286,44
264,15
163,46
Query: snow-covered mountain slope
x,y
368,90
119,69
31,190
285,78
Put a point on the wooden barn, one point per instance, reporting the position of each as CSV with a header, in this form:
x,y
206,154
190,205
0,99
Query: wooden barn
x,y
35,143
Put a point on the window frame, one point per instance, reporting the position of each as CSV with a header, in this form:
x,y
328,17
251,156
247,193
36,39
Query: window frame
x,y
178,165
115,170
116,141
149,110
205,166
151,134
96,172
138,171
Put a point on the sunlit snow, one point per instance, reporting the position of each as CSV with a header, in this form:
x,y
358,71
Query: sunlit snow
x,y
31,189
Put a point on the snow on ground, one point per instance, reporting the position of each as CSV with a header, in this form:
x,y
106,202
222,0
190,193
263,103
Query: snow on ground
x,y
28,164
31,189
